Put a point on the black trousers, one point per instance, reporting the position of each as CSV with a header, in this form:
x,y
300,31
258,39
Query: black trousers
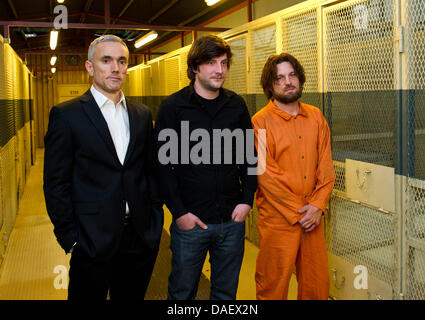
x,y
126,276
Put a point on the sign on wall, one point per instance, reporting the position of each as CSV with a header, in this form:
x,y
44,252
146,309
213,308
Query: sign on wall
x,y
70,91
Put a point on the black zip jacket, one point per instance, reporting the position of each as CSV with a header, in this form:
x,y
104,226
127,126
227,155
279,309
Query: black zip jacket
x,y
210,189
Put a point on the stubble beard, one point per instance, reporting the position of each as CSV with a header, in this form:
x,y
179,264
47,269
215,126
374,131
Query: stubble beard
x,y
210,84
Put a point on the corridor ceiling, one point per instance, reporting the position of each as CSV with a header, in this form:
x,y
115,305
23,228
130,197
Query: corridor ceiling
x,y
28,22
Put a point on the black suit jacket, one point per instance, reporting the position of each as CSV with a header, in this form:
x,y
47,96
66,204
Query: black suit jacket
x,y
85,185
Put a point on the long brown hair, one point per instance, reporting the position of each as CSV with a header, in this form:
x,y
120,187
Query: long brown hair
x,y
269,74
203,50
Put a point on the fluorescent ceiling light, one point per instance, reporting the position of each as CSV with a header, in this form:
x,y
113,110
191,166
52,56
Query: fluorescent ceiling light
x,y
53,60
30,35
53,69
53,39
211,2
146,38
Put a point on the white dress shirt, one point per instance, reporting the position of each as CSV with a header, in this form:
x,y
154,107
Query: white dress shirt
x,y
116,117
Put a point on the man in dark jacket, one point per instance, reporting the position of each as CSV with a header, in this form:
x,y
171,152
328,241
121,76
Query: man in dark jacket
x,y
201,132
98,182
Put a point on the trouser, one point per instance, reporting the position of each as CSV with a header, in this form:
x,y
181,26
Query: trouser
x,y
225,243
283,247
125,276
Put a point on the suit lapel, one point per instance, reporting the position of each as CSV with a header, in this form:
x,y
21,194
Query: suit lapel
x,y
132,115
95,115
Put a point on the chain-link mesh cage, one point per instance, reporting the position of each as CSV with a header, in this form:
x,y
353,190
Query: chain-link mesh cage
x,y
156,85
146,85
362,236
415,207
361,108
300,38
171,75
162,79
339,168
415,232
2,72
416,273
361,103
19,124
9,187
262,45
236,75
15,138
146,81
236,78
27,147
2,215
134,83
27,119
184,80
7,111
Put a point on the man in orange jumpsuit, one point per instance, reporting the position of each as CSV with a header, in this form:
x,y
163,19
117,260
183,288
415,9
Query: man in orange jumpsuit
x,y
294,189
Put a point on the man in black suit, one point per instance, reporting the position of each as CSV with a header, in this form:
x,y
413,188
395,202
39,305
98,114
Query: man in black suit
x,y
99,182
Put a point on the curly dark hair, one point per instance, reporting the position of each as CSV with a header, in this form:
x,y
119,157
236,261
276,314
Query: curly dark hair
x,y
203,50
269,74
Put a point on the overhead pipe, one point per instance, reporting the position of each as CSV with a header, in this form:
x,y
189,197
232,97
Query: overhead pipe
x,y
35,24
107,12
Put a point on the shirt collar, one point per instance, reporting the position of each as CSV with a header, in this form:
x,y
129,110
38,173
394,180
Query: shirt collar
x,y
286,115
192,93
101,99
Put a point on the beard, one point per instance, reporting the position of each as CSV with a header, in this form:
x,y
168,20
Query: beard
x,y
290,97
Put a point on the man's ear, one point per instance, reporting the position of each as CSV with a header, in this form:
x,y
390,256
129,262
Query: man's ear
x,y
89,67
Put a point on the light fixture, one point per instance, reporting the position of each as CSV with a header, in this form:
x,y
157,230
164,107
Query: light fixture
x,y
53,39
53,69
146,38
61,1
53,60
211,2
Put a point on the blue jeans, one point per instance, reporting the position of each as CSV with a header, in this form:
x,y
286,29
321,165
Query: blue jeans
x,y
225,243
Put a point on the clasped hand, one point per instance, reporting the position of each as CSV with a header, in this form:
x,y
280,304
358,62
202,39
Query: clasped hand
x,y
312,217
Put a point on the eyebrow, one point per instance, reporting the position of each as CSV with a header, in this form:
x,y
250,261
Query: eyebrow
x,y
109,57
216,59
290,73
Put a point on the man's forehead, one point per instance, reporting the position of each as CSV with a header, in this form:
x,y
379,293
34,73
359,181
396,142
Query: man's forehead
x,y
285,66
220,58
111,49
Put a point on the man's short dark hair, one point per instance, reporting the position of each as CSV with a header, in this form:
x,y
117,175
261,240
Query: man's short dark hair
x,y
269,74
203,50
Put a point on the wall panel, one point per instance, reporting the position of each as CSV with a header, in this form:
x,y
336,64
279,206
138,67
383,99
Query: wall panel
x,y
15,137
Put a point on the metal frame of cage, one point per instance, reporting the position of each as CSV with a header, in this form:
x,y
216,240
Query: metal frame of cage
x,y
16,147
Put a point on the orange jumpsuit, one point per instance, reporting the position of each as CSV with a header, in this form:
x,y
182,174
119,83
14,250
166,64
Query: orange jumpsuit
x,y
299,171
